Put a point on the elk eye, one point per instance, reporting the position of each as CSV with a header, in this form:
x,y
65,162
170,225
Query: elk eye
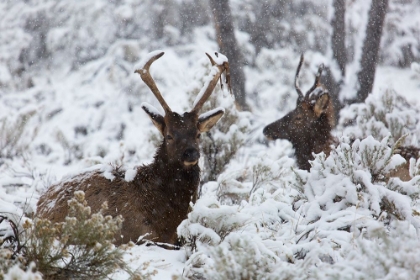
x,y
198,135
169,137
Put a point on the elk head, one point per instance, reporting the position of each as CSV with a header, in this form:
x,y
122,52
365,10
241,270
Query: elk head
x,y
182,132
309,125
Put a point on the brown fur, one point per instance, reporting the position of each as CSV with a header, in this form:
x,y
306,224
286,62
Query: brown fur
x,y
407,153
144,203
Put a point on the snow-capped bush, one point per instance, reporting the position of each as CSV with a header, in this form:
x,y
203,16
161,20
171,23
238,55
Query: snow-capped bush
x,y
80,247
382,115
344,198
401,36
298,232
240,257
378,254
16,272
14,138
258,207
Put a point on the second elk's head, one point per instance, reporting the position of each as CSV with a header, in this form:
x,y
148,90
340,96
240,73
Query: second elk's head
x,y
181,132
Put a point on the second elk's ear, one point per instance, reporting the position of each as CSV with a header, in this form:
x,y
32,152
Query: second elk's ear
x,y
157,119
321,104
207,120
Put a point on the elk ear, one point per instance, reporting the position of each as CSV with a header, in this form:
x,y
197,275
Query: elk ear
x,y
207,120
157,119
321,104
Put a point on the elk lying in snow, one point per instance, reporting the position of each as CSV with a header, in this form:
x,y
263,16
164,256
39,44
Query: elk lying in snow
x,y
157,199
308,127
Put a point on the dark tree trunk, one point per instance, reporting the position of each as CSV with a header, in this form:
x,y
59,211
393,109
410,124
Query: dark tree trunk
x,y
258,32
338,47
228,46
338,38
370,49
334,88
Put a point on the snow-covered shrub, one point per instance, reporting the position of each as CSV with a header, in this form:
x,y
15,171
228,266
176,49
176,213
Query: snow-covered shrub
x,y
401,36
15,272
84,239
382,115
273,24
378,254
11,130
243,215
79,247
349,191
240,257
209,223
236,185
220,144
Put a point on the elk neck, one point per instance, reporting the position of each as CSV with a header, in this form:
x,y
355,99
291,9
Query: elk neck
x,y
315,139
173,177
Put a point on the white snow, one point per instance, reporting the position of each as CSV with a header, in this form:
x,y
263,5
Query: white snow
x,y
211,112
130,174
147,57
151,109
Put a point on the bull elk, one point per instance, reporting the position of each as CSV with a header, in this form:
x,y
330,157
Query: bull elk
x,y
157,199
308,127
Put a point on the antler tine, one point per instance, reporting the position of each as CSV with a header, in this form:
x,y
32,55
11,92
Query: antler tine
x,y
148,80
207,91
297,77
317,82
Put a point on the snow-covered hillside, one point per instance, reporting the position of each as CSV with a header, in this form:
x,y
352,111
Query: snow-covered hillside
x,y
70,100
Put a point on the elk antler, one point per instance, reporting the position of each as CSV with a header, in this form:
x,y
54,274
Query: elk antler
x,y
297,77
317,78
148,80
206,91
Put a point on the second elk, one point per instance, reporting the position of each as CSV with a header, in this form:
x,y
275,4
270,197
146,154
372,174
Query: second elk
x,y
157,199
308,127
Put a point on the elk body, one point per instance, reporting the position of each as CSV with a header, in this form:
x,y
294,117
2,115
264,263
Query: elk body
x,y
157,199
308,127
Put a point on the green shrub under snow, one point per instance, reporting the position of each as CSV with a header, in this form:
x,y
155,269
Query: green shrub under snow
x,y
12,143
79,248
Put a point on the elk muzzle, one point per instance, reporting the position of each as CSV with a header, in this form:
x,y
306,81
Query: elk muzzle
x,y
190,156
276,130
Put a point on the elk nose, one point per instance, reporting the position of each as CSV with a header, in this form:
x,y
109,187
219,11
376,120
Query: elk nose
x,y
267,132
190,156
